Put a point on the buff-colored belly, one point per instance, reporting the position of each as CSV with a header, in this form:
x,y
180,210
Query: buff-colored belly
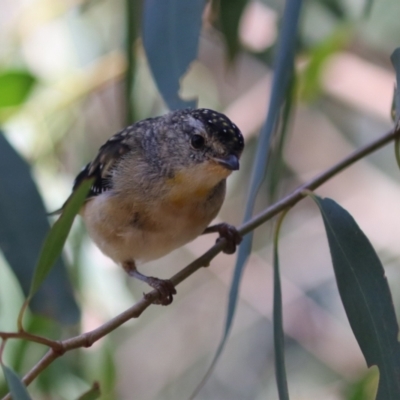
x,y
128,233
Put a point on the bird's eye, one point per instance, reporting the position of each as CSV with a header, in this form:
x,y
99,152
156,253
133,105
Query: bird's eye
x,y
197,141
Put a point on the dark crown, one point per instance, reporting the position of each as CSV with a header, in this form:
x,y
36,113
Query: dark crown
x,y
220,125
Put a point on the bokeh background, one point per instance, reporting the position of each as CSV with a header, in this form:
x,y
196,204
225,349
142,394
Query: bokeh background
x,y
71,58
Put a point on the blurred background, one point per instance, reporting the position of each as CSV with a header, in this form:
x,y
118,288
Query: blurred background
x,y
66,67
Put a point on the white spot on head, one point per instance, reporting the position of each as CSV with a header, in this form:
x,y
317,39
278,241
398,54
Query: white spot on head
x,y
195,123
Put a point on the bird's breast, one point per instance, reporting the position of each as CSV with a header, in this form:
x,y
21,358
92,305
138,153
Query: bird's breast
x,y
125,229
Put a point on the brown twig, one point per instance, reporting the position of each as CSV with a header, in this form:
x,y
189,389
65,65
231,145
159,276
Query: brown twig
x,y
88,338
54,344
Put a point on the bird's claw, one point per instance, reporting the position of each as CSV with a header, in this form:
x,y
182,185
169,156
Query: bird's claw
x,y
231,235
165,288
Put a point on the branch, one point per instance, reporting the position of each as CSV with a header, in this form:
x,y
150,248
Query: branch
x,y
88,338
54,344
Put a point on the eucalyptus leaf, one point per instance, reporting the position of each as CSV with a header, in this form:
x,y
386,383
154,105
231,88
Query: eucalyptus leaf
x,y
230,13
283,74
365,295
23,227
15,386
171,31
55,240
280,370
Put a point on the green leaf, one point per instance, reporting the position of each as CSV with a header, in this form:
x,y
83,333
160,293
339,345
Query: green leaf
x,y
92,394
229,16
364,388
283,74
171,30
279,345
310,78
15,386
55,240
23,228
395,57
15,86
365,295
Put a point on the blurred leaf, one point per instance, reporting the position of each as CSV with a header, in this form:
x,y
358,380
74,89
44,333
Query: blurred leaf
x,y
335,7
108,371
92,394
23,227
171,30
310,78
133,11
365,295
230,12
16,387
55,240
276,163
368,8
365,388
395,57
279,344
15,86
283,74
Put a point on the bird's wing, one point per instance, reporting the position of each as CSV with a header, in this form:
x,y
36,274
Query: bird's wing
x,y
100,168
108,156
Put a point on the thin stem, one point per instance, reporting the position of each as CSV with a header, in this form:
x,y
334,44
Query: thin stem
x,y
20,319
314,183
54,344
88,338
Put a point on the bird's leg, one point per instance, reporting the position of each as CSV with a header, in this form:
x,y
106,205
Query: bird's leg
x,y
228,232
163,286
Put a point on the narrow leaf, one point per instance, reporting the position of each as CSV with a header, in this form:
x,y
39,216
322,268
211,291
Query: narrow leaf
x,y
283,73
92,394
55,240
132,28
15,386
365,294
229,16
171,30
15,86
395,57
279,345
23,228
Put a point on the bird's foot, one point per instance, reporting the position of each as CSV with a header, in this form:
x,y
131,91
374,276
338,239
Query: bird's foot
x,y
229,233
165,288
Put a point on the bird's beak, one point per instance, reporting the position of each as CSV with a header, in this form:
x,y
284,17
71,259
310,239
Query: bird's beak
x,y
230,162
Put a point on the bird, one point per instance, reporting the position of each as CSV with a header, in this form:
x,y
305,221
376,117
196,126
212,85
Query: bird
x,y
157,185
